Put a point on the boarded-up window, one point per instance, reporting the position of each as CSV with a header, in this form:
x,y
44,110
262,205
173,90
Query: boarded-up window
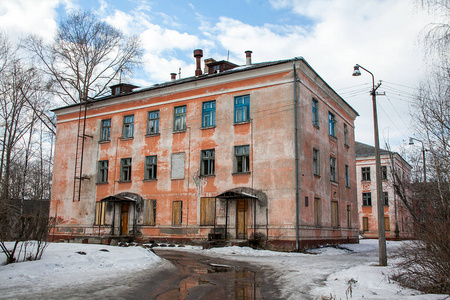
x,y
387,226
365,223
334,214
177,209
207,206
100,213
317,212
149,209
178,165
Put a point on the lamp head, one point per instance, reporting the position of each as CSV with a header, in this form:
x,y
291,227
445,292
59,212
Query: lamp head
x,y
411,141
356,71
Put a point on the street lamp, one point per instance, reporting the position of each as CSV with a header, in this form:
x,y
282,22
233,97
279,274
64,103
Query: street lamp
x,y
382,257
411,142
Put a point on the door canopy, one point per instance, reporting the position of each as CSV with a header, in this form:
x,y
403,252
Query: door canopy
x,y
244,193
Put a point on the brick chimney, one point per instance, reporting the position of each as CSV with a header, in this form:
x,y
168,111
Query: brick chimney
x,y
173,76
198,54
248,57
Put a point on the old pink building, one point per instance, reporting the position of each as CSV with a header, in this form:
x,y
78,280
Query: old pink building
x,y
397,220
261,151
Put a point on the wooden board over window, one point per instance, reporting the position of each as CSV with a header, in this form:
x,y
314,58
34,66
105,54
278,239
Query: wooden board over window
x,y
387,226
365,223
100,213
177,207
149,212
207,206
334,214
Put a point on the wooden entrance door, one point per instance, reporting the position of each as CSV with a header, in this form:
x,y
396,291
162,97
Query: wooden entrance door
x,y
241,218
124,219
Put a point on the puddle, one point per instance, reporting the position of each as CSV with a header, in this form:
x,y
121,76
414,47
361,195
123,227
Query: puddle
x,y
242,282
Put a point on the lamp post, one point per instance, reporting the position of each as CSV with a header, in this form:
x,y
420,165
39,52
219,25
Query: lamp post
x,y
382,257
411,142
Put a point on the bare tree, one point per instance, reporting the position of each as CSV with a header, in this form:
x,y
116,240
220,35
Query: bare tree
x,y
20,94
437,34
87,55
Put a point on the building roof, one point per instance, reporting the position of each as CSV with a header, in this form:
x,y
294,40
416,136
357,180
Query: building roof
x,y
205,76
364,150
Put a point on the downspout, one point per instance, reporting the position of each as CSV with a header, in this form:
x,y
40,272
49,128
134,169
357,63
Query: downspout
x,y
297,197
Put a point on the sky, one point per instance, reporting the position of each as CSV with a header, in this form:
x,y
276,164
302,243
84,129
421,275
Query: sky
x,y
384,36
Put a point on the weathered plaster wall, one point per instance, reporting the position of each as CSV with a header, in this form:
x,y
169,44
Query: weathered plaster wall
x,y
270,134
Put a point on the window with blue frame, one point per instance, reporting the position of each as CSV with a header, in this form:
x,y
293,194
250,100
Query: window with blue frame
x,y
151,164
209,114
208,162
347,176
331,124
153,122
105,132
315,112
242,109
128,126
179,119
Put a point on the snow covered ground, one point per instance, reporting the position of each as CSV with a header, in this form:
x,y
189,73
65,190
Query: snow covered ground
x,y
325,273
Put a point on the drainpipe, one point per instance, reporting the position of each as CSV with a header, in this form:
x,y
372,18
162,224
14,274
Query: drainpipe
x,y
297,197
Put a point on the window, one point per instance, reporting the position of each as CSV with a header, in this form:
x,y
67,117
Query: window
x,y
316,162
207,206
315,112
317,212
153,122
177,171
105,131
345,134
99,213
332,169
125,169
334,214
347,176
179,118
349,216
365,174
365,223
387,225
150,167
207,163
242,109
177,212
149,209
209,114
386,198
383,173
306,201
102,171
128,126
367,199
331,124
242,159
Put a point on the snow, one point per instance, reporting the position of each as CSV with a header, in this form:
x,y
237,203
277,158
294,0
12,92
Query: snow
x,y
61,266
347,272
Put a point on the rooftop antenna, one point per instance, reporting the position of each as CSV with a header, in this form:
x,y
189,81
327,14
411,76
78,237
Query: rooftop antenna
x,y
228,56
179,73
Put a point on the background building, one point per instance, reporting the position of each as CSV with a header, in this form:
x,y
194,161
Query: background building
x,y
257,151
397,220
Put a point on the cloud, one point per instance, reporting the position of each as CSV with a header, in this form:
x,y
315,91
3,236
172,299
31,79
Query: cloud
x,y
22,17
381,35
